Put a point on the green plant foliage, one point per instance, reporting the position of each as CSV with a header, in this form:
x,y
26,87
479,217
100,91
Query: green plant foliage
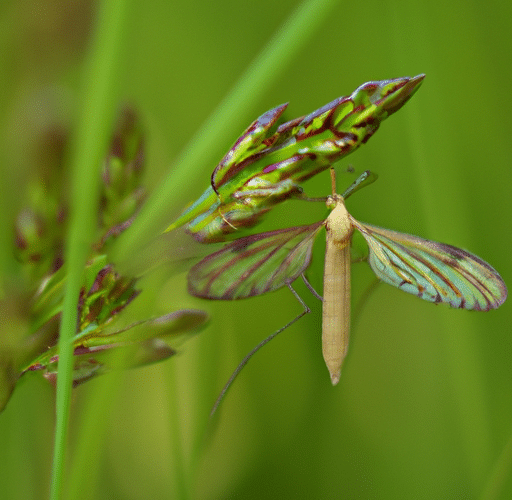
x,y
264,167
104,294
423,406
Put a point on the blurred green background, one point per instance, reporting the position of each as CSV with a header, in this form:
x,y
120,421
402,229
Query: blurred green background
x,y
424,406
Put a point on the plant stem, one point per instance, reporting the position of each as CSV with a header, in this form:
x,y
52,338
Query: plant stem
x,y
90,142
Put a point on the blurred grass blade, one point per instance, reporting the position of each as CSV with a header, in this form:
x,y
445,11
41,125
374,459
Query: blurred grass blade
x,y
90,142
500,474
234,110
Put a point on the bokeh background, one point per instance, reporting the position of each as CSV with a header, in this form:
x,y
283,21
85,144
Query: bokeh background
x,y
424,405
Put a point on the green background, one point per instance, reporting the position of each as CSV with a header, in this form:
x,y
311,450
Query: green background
x,y
424,405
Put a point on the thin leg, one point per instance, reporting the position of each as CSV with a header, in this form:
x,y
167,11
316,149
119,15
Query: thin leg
x,y
257,348
310,288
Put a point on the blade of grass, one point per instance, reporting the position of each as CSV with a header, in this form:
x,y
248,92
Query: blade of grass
x,y
90,142
463,351
499,475
256,81
234,110
91,437
466,370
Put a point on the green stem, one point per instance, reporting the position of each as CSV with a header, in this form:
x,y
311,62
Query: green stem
x,y
90,142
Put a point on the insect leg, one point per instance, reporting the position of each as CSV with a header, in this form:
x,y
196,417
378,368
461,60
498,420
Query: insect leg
x,y
311,289
244,361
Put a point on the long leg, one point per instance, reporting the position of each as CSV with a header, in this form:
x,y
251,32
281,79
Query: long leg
x,y
257,348
311,289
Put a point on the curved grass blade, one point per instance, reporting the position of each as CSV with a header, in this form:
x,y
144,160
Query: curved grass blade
x,y
433,271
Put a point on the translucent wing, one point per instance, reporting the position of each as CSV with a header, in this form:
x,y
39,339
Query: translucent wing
x,y
255,264
433,271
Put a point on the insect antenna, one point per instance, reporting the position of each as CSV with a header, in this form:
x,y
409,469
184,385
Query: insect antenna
x,y
260,345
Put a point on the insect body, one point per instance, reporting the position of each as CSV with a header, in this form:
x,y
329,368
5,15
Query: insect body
x,y
264,262
336,302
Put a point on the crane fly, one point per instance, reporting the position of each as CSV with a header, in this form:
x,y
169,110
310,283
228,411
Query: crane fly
x,y
265,262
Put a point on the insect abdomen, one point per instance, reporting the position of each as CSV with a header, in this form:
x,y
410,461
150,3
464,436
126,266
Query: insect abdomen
x,y
336,304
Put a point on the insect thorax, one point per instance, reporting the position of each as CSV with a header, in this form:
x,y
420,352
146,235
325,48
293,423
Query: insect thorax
x,y
338,224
